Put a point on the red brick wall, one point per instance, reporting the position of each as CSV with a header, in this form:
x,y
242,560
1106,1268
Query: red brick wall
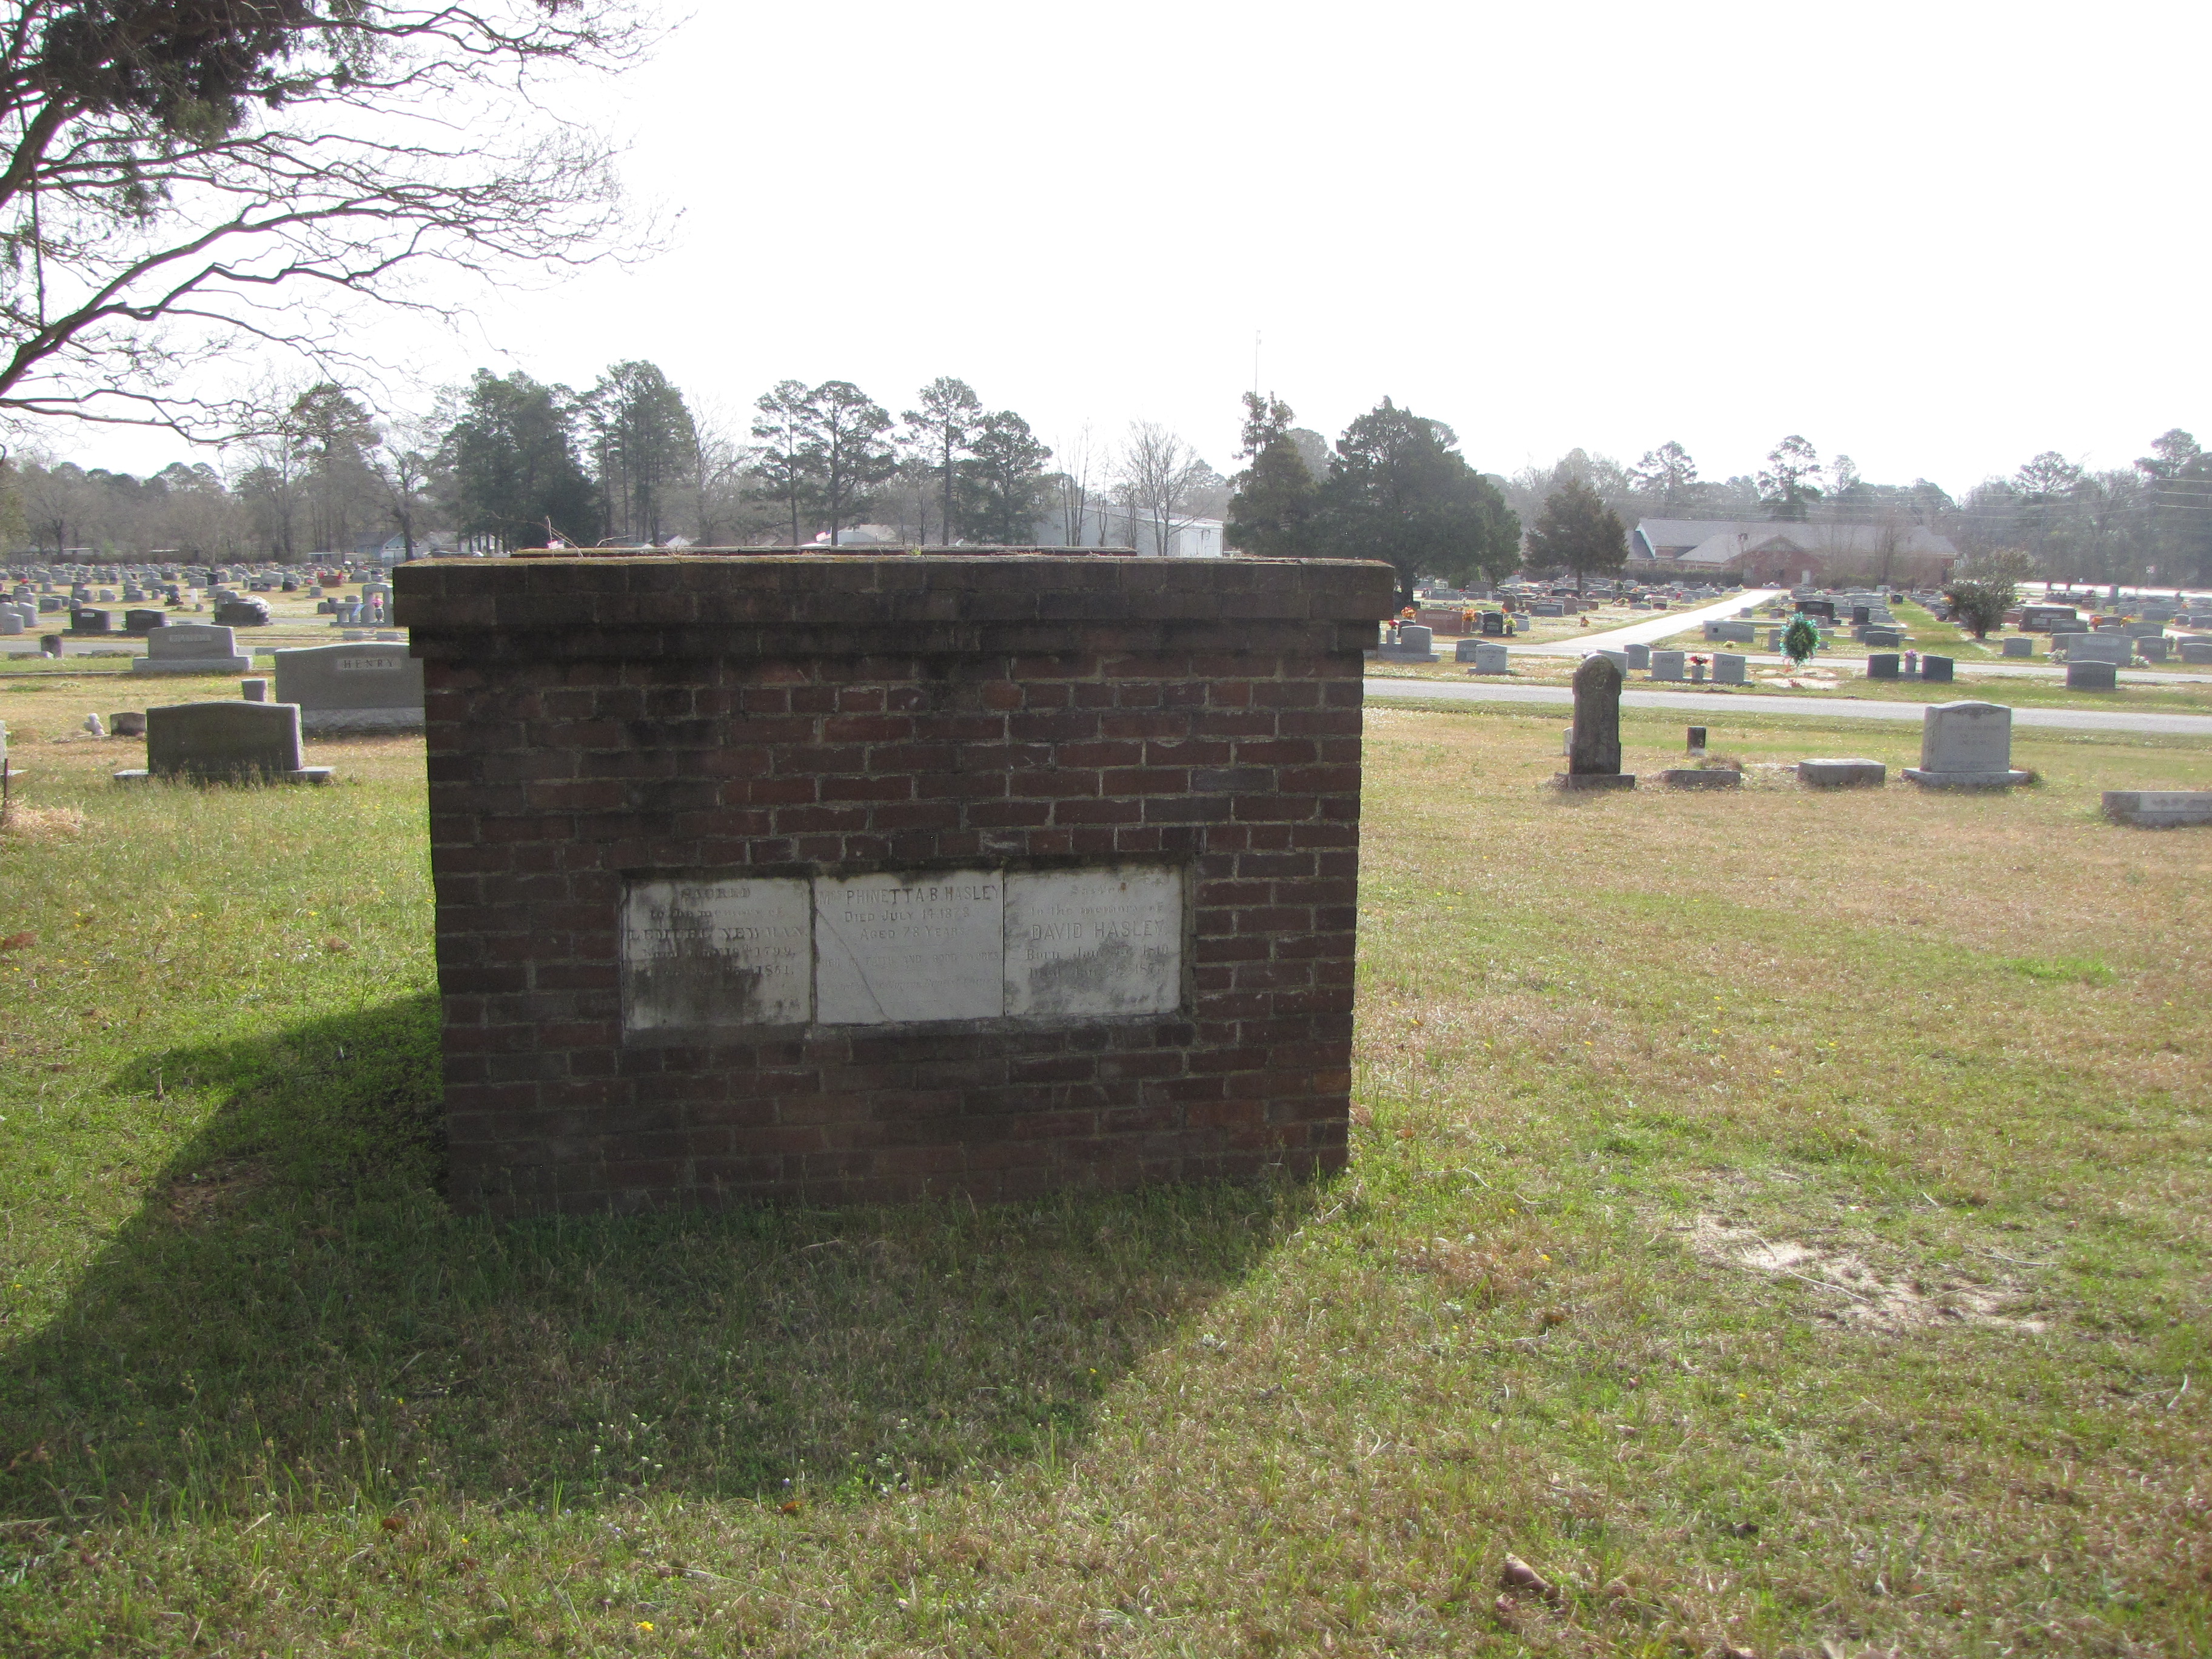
x,y
595,719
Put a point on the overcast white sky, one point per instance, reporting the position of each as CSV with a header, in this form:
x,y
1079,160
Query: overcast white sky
x,y
1938,237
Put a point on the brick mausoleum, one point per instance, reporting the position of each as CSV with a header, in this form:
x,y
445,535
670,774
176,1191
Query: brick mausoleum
x,y
848,876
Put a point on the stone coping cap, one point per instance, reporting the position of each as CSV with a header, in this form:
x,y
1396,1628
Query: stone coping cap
x,y
752,589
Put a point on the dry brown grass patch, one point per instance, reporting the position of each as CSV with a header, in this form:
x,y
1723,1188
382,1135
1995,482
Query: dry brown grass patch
x,y
41,823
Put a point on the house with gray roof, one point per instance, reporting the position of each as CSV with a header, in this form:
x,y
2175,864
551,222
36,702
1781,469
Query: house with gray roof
x,y
1764,553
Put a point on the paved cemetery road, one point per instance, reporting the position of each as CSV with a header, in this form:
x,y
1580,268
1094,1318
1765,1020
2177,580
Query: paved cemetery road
x,y
1664,623
1720,705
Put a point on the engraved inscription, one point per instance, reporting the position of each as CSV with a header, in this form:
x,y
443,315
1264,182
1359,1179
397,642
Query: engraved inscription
x,y
1094,942
387,665
900,947
717,953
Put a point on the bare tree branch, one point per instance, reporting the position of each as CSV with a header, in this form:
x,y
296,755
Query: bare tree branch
x,y
181,180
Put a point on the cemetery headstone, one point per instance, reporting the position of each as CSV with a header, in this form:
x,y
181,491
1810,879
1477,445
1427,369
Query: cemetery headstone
x,y
1594,755
1639,656
1464,650
191,648
2159,809
49,644
1667,664
254,690
2196,652
225,743
11,620
1491,658
1935,668
1694,740
1830,773
1883,665
142,622
86,619
2018,646
1414,643
1702,777
2115,649
1965,745
128,724
2092,676
1730,668
2153,647
370,686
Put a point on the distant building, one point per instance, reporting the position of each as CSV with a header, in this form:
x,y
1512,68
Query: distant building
x,y
428,544
1762,553
1106,525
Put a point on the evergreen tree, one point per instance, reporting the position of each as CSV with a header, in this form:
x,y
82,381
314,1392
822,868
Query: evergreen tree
x,y
1273,512
511,453
1001,481
845,450
333,438
1579,531
1786,487
1399,490
944,428
786,417
645,446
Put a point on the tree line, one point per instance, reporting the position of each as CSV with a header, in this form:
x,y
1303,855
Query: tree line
x,y
507,461
2148,523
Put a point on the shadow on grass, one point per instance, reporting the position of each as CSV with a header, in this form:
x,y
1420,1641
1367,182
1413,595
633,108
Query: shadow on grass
x,y
294,1320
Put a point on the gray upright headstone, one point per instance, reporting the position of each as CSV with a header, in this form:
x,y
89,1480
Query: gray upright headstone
x,y
1730,668
370,686
225,742
2018,644
1594,746
2114,649
191,648
1966,745
1667,665
1639,656
1493,658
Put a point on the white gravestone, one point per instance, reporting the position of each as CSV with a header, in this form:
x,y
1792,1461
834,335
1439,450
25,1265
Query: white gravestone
x,y
1966,745
1094,942
1493,658
699,953
894,947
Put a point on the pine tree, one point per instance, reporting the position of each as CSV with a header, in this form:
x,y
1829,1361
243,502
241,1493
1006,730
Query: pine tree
x,y
1276,501
1579,531
998,486
1399,490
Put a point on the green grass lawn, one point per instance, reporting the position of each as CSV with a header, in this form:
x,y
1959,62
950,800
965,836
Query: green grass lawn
x,y
1780,1219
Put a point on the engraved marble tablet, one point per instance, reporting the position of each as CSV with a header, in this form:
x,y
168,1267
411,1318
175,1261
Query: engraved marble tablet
x,y
716,953
1105,941
900,947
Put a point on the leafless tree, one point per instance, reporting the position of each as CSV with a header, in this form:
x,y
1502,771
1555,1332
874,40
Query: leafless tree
x,y
182,183
1160,473
719,463
1072,486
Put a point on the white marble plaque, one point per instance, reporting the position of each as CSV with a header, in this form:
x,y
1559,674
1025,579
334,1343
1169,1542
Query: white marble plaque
x,y
1094,942
901,947
728,952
